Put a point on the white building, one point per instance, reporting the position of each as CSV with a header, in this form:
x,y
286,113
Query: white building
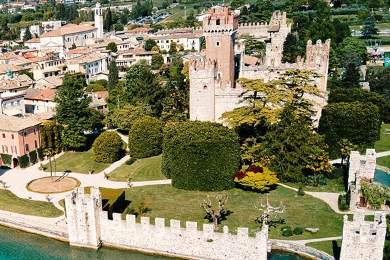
x,y
191,41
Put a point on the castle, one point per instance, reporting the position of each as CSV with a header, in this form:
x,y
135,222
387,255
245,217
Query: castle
x,y
213,88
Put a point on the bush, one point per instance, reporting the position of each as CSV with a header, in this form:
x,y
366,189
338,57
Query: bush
x,y
342,203
285,227
131,161
145,137
287,233
200,156
33,157
23,161
256,177
314,181
108,147
6,158
40,154
300,191
298,231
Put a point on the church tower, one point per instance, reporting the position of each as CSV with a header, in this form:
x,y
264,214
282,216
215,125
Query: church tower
x,y
99,20
219,29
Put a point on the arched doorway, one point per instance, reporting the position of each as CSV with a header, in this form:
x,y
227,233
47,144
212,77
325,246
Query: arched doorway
x,y
15,163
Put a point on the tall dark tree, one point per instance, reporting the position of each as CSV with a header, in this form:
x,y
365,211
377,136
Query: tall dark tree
x,y
157,61
113,75
73,112
290,48
351,77
369,29
27,35
107,22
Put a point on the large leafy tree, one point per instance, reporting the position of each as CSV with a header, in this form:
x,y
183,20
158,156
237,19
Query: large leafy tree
x,y
352,50
50,136
124,117
265,101
73,112
142,86
149,44
351,77
108,147
112,47
290,48
254,47
113,75
358,122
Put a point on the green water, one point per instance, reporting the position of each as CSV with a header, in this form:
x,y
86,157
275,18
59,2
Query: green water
x,y
19,245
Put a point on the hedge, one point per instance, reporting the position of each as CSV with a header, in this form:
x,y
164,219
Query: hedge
x,y
145,137
23,161
40,154
108,147
6,159
200,156
33,157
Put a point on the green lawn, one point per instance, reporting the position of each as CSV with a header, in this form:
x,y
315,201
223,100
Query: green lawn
x,y
141,170
332,185
326,246
170,203
79,162
384,143
11,202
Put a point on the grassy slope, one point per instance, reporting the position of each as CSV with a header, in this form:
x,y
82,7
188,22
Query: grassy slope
x,y
142,170
326,246
11,202
79,162
170,203
333,185
383,145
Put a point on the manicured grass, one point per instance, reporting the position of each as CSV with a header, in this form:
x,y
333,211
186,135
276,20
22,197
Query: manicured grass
x,y
79,162
326,246
11,202
332,185
383,161
170,203
141,170
384,143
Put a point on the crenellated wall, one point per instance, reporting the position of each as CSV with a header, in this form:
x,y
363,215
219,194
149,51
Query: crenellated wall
x,y
169,240
363,240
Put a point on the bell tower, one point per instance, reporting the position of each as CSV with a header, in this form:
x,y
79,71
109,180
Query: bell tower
x,y
99,20
219,29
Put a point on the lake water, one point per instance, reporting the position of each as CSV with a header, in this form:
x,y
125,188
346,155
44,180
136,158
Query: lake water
x,y
19,245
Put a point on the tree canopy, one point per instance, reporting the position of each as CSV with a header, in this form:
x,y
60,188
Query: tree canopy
x,y
113,75
108,147
73,112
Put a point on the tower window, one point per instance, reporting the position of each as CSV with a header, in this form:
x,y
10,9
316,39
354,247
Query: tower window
x,y
218,22
204,87
218,43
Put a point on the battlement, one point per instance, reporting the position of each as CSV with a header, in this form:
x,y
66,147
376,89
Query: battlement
x,y
220,20
363,239
90,230
202,64
362,166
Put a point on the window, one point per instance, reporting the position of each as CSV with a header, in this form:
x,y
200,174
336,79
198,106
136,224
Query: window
x,y
12,136
5,149
35,144
18,102
218,22
27,148
12,104
3,135
218,43
15,150
205,87
35,131
5,105
24,134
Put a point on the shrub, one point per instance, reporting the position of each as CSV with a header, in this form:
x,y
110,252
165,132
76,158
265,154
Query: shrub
x,y
255,177
200,155
33,157
314,181
108,147
145,137
298,231
287,233
285,227
342,203
131,161
300,191
23,161
40,154
6,158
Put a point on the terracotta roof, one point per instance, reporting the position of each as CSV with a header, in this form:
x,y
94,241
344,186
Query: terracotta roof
x,y
78,50
34,40
16,124
68,29
100,94
29,55
40,94
140,29
251,60
274,28
5,67
86,59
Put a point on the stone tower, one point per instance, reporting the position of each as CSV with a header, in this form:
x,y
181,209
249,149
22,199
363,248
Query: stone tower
x,y
83,217
363,240
215,71
99,20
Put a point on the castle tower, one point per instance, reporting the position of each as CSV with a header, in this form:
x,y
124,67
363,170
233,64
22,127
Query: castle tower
x,y
83,217
99,20
219,29
363,240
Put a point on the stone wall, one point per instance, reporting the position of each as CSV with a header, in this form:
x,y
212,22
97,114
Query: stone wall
x,y
300,249
89,226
